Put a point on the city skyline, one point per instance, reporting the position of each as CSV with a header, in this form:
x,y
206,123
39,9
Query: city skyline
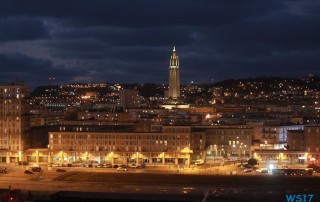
x,y
130,42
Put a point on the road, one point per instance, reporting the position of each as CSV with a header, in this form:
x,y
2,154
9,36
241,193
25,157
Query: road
x,y
158,183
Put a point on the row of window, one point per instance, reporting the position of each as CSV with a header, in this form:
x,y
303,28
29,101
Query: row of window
x,y
10,130
264,157
177,130
114,148
230,132
313,130
109,142
119,137
9,147
228,137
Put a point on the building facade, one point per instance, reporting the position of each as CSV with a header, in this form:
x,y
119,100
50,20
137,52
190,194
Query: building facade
x,y
129,98
14,121
229,141
170,146
275,137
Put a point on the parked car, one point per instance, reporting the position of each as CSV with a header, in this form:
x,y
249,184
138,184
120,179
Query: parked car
x,y
134,165
115,166
246,166
122,168
35,169
23,163
108,165
3,170
248,170
262,170
143,165
28,172
61,170
316,168
137,165
87,165
104,165
99,166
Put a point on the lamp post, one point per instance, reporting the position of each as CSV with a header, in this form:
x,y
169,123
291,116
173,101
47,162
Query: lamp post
x,y
215,151
245,149
49,154
20,158
111,156
265,144
137,160
280,158
163,159
37,156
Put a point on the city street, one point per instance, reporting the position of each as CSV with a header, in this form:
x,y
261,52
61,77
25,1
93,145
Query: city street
x,y
194,183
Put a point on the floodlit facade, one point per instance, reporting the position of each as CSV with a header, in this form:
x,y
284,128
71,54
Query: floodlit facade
x,y
14,121
229,141
170,146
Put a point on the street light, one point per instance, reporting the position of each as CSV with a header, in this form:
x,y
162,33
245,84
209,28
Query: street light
x,y
215,150
137,160
163,159
20,158
37,156
279,161
49,155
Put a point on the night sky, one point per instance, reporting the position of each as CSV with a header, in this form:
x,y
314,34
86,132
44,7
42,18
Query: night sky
x,y
130,41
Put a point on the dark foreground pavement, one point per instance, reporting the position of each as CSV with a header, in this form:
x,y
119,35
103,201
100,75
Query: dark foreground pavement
x,y
140,187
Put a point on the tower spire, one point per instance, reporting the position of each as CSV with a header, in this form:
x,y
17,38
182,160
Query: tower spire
x,y
174,76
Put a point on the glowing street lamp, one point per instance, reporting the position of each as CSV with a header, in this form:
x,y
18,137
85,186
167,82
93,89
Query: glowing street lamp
x,y
37,156
20,156
163,159
137,160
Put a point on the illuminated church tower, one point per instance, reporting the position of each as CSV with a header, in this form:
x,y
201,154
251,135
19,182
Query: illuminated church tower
x,y
174,76
173,97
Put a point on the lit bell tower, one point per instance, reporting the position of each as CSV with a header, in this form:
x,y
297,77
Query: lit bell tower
x,y
174,76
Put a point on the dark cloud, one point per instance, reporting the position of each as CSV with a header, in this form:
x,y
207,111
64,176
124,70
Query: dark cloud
x,y
32,70
154,36
131,41
21,28
17,62
139,13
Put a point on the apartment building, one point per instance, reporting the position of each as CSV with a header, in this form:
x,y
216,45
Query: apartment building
x,y
171,145
14,121
275,137
229,141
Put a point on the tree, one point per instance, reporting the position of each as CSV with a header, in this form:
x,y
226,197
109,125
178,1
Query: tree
x,y
252,161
